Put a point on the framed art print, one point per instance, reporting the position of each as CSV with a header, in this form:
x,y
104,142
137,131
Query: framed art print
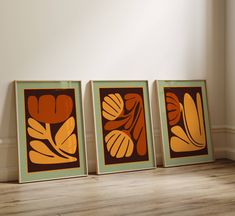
x,y
50,130
124,140
185,124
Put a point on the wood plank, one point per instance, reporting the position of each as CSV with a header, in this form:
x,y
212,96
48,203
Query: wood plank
x,y
204,189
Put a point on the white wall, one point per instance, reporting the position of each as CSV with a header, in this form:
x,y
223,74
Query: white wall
x,y
109,39
230,78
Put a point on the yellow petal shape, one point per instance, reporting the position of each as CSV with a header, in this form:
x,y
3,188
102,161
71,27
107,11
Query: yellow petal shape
x,y
191,115
35,134
110,100
179,145
126,149
41,148
38,158
112,106
36,125
69,145
108,116
110,138
130,148
194,120
179,132
119,144
65,131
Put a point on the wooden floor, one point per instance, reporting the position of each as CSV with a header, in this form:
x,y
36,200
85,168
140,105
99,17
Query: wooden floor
x,y
205,189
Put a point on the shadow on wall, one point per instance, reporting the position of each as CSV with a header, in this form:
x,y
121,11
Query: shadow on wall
x,y
89,128
8,141
8,122
215,63
156,122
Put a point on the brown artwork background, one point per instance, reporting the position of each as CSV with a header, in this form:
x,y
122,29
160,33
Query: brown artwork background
x,y
123,125
178,101
56,117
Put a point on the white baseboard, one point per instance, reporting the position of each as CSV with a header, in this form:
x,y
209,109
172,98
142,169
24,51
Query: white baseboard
x,y
9,163
230,142
230,154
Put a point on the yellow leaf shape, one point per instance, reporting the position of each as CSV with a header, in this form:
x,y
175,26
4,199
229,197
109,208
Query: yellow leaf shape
x,y
39,158
110,138
65,131
112,106
194,121
35,134
36,125
69,145
179,132
179,145
41,148
126,148
119,144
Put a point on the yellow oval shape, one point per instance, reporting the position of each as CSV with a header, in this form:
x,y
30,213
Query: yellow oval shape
x,y
119,144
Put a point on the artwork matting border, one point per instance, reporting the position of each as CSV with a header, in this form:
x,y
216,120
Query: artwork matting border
x,y
167,160
24,176
131,166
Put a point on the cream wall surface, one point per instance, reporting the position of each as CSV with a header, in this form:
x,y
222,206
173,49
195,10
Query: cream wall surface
x,y
110,39
230,78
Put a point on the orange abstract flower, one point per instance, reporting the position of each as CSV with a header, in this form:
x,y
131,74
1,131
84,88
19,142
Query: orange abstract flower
x,y
173,108
193,136
126,127
50,109
119,144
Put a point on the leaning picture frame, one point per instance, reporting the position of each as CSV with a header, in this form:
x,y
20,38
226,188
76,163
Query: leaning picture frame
x,y
50,130
184,118
123,126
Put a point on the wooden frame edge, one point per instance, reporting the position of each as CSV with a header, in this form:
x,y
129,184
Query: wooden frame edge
x,y
151,127
85,174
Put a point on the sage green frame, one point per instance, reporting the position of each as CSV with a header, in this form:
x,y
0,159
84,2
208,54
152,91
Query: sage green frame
x,y
24,176
167,160
131,166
